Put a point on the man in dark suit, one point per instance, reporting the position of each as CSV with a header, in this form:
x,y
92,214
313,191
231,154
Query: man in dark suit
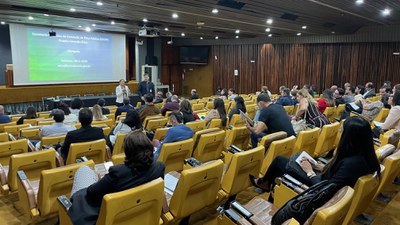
x,y
369,90
125,108
146,86
83,134
101,102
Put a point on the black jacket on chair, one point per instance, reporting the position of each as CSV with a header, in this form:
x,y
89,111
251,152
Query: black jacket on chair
x,y
86,202
84,134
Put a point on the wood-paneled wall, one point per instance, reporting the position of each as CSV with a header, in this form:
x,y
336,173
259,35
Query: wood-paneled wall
x,y
319,64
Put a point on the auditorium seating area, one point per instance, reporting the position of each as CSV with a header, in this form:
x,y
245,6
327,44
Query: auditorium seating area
x,y
33,178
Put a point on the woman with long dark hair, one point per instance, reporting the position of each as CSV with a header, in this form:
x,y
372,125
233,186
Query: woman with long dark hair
x,y
218,112
327,100
139,168
187,112
131,122
354,157
30,114
239,106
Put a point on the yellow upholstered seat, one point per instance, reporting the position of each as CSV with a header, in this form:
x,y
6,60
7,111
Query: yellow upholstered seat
x,y
4,137
2,125
145,121
269,138
45,122
197,125
118,146
339,110
392,169
330,113
31,134
52,140
32,163
251,110
282,147
236,121
160,133
144,206
289,109
381,117
199,106
364,191
94,150
326,139
154,124
306,141
238,136
208,145
216,123
209,105
39,199
109,122
7,149
14,129
197,188
118,159
174,154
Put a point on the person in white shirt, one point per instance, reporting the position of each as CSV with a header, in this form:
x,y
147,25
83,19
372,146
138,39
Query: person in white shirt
x,y
122,91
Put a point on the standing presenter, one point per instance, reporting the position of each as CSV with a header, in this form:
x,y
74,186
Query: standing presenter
x,y
146,86
122,91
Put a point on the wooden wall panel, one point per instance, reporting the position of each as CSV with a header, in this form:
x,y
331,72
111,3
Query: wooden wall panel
x,y
318,64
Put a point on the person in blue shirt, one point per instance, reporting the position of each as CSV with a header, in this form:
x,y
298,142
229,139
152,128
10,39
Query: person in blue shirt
x,y
285,99
3,118
125,108
178,132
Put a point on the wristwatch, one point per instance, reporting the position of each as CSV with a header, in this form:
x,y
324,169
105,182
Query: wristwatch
x,y
311,174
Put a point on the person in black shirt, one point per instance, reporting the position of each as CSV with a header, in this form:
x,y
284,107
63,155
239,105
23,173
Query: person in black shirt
x,y
339,96
146,86
273,116
101,102
187,112
194,95
239,106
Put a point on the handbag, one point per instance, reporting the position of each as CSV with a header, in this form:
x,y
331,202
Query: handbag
x,y
299,125
295,170
304,204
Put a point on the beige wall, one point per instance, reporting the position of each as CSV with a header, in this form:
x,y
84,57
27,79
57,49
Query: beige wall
x,y
198,77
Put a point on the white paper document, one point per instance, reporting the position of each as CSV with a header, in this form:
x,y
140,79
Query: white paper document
x,y
170,183
305,155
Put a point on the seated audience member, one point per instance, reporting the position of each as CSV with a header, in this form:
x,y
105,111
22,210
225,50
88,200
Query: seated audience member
x,y
369,90
194,94
281,88
178,132
76,105
187,112
327,100
30,114
169,95
371,109
293,93
3,118
284,99
101,102
159,97
295,88
149,109
345,85
171,106
393,119
218,112
218,92
224,94
387,83
239,105
396,88
98,114
313,90
334,88
58,128
125,108
339,96
232,94
354,157
69,118
360,90
384,92
308,109
130,123
273,118
83,134
139,167
349,94
264,89
308,88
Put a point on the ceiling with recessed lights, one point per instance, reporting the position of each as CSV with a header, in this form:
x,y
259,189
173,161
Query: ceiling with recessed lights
x,y
209,19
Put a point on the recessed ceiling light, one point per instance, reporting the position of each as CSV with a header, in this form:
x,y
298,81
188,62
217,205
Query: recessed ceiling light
x,y
298,34
99,3
72,9
112,22
269,35
87,29
304,27
45,14
386,12
201,38
2,22
93,25
145,20
215,11
216,37
166,29
359,2
30,18
268,30
79,26
174,15
237,31
333,32
183,34
236,37
270,21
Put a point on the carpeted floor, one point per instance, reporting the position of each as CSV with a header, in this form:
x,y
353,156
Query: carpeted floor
x,y
11,212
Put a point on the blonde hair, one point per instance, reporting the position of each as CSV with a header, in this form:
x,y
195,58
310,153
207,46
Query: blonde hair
x,y
97,112
304,92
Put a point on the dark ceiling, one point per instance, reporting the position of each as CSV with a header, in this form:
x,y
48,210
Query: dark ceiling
x,y
323,17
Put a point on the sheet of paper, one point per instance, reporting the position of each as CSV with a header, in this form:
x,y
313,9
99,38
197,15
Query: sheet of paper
x,y
246,117
170,183
305,155
378,124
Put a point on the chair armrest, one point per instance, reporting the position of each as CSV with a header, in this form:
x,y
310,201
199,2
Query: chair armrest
x,y
3,175
165,206
292,183
29,191
11,137
63,206
108,153
65,203
59,160
31,147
